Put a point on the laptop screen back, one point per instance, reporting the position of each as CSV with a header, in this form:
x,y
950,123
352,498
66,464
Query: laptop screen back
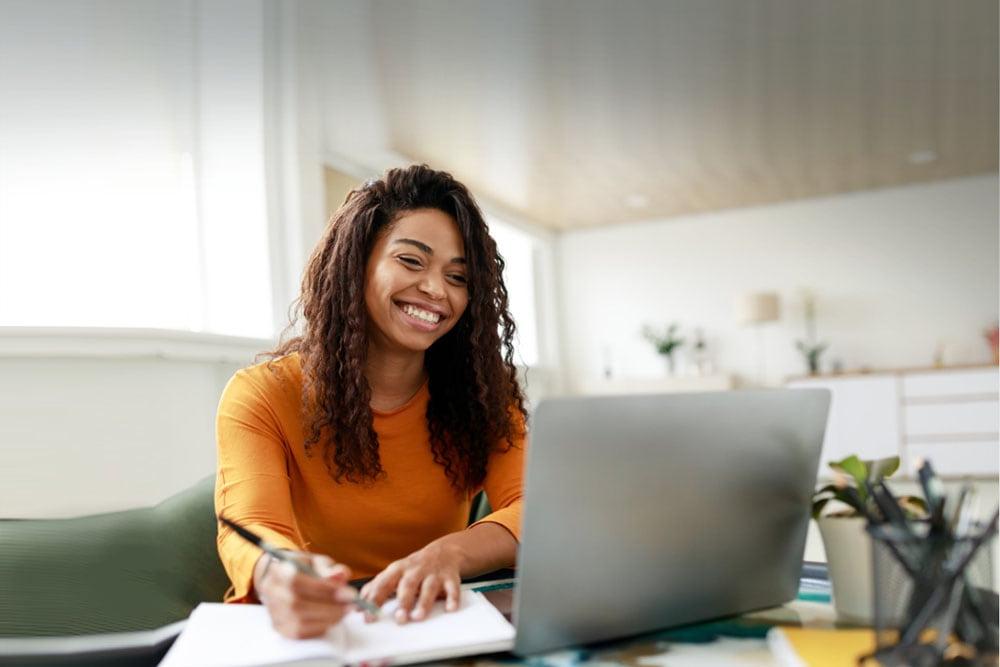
x,y
643,512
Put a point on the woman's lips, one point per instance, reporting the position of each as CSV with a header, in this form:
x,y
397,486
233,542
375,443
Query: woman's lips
x,y
416,322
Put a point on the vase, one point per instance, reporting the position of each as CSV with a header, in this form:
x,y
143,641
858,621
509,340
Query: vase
x,y
670,364
849,561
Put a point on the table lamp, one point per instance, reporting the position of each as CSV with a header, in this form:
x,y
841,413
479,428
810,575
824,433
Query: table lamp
x,y
757,309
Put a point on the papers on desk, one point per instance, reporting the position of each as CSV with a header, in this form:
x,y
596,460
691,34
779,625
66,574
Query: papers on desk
x,y
816,647
238,635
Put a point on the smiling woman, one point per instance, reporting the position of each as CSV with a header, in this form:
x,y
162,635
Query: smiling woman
x,y
361,443
415,284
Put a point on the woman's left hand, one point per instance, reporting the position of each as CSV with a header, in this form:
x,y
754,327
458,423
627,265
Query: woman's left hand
x,y
419,580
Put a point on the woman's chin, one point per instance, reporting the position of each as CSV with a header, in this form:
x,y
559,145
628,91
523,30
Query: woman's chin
x,y
416,344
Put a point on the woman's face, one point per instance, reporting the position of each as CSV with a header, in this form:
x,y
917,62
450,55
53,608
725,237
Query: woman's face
x,y
415,281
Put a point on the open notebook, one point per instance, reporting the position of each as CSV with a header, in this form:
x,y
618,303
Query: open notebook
x,y
241,634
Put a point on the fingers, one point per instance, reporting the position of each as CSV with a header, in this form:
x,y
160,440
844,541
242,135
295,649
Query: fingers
x,y
301,605
293,585
306,619
378,590
406,594
329,569
453,594
298,618
430,590
417,595
418,580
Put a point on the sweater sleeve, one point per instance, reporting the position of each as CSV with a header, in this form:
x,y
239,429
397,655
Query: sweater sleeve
x,y
252,482
504,484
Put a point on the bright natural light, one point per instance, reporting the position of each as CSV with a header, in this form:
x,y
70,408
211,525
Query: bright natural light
x,y
109,217
103,238
517,248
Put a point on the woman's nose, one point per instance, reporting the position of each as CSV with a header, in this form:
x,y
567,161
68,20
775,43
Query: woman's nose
x,y
432,287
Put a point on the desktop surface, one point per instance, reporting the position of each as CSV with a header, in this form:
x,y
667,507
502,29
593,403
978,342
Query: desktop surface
x,y
741,639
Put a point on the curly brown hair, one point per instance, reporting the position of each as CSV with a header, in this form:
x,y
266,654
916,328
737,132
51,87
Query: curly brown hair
x,y
476,403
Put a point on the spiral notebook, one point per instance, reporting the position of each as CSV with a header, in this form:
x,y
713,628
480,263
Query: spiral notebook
x,y
239,635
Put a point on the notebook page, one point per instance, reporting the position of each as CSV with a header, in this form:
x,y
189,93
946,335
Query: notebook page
x,y
475,627
241,635
238,635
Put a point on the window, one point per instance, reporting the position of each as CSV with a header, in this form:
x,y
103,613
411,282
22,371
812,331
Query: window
x,y
109,217
518,250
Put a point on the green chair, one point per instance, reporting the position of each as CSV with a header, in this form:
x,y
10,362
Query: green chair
x,y
112,588
121,572
480,507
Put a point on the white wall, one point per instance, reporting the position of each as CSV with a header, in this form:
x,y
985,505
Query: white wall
x,y
895,273
102,420
132,194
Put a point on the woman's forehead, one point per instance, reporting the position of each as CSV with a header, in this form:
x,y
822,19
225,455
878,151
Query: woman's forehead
x,y
435,229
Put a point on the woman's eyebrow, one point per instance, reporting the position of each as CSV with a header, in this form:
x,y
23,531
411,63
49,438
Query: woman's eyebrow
x,y
427,249
422,246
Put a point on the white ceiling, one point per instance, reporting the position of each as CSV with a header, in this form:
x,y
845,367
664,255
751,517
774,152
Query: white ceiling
x,y
587,112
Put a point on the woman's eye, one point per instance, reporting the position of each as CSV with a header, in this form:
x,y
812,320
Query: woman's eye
x,y
459,278
410,261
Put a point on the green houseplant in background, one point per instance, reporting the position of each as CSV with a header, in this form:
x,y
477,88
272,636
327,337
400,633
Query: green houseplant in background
x,y
666,342
840,509
810,348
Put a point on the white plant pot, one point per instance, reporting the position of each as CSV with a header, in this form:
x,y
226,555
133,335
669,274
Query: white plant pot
x,y
849,559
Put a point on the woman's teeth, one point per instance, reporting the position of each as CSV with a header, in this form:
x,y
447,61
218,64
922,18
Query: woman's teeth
x,y
421,314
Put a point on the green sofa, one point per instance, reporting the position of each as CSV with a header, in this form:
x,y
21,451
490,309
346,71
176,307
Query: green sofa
x,y
89,589
111,588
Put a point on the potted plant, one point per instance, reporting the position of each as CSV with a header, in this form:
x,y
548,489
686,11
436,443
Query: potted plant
x,y
666,343
848,547
810,347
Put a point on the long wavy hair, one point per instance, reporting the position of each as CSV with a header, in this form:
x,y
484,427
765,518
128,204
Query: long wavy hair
x,y
476,403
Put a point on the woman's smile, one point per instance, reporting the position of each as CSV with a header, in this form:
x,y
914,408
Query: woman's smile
x,y
416,286
421,317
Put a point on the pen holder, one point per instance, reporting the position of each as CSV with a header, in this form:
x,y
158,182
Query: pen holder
x,y
934,601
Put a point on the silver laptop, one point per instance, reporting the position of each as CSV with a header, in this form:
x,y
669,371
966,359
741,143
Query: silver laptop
x,y
643,512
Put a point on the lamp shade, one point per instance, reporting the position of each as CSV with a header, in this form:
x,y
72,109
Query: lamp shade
x,y
757,307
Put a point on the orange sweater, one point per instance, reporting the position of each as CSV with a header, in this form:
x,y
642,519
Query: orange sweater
x,y
267,482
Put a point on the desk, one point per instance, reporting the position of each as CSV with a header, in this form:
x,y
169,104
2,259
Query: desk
x,y
738,641
691,642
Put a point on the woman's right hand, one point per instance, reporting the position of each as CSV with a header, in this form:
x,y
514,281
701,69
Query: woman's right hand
x,y
302,606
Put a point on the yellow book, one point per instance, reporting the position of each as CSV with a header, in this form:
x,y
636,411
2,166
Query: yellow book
x,y
813,647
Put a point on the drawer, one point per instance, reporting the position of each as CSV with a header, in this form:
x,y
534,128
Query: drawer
x,y
978,381
970,457
958,418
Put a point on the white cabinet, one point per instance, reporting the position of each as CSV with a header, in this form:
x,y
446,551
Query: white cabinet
x,y
953,419
949,416
952,383
863,418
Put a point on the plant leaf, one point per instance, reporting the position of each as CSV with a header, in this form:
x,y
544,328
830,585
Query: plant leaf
x,y
850,502
828,493
829,488
854,467
879,469
818,505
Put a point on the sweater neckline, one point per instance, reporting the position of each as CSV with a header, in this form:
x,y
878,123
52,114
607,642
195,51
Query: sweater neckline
x,y
422,392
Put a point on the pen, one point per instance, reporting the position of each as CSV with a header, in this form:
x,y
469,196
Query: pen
x,y
933,492
289,557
